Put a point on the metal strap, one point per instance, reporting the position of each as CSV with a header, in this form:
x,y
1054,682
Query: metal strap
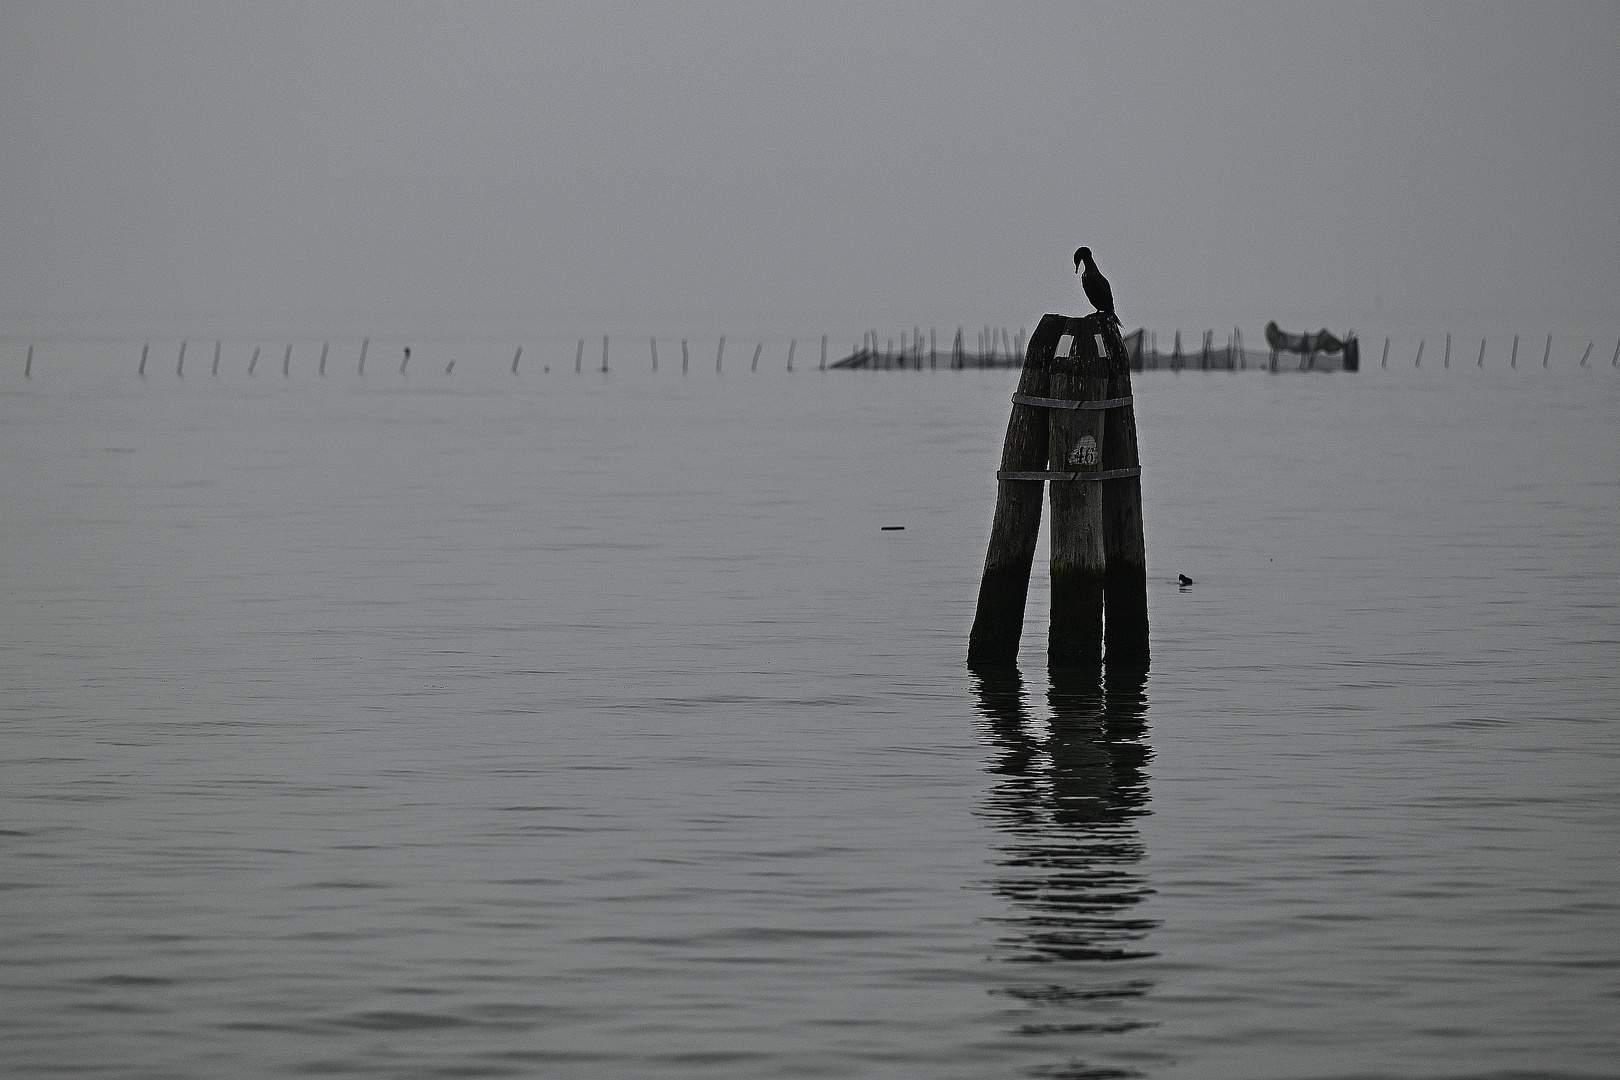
x,y
1065,403
1103,474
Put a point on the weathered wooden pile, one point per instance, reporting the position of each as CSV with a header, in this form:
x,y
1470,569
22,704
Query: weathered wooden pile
x,y
1072,427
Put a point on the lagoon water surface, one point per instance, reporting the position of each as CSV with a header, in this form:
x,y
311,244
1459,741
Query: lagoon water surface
x,y
592,727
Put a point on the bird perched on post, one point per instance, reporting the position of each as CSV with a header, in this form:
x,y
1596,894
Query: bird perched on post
x,y
1098,291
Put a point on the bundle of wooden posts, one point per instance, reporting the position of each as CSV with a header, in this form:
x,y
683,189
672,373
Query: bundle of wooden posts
x,y
1073,427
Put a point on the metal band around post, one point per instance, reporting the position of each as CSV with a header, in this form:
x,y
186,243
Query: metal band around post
x,y
1101,474
1064,403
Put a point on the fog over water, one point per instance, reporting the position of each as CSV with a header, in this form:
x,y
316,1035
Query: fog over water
x,y
618,165
451,720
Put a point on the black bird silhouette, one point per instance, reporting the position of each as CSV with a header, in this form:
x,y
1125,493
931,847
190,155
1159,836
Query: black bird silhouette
x,y
1098,291
1184,580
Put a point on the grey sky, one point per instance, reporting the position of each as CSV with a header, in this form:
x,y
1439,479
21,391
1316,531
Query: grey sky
x,y
630,162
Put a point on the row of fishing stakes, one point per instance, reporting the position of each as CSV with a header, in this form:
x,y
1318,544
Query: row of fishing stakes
x,y
1513,357
286,359
1073,428
990,338
686,357
579,357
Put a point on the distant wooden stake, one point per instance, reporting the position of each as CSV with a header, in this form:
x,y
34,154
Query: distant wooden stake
x,y
364,345
28,364
999,621
604,354
1481,352
684,357
792,344
325,347
718,353
180,364
217,346
824,352
451,366
753,365
1546,356
253,363
141,371
1419,355
286,362
654,343
1616,361
1382,363
1447,362
515,358
406,359
1587,353
933,351
1078,556
579,357
1513,361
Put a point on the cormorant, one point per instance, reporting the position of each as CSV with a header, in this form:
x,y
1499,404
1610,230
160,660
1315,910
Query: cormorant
x,y
1098,291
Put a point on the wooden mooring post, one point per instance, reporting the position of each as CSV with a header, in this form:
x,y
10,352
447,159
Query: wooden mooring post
x,y
1074,412
1075,638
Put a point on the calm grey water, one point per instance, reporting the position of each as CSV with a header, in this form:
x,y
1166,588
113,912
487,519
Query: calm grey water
x,y
582,726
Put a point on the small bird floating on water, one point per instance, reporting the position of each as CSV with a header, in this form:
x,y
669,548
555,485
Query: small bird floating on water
x,y
1098,291
1184,579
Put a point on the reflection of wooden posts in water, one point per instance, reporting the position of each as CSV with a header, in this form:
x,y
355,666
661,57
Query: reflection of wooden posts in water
x,y
1066,792
1087,430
